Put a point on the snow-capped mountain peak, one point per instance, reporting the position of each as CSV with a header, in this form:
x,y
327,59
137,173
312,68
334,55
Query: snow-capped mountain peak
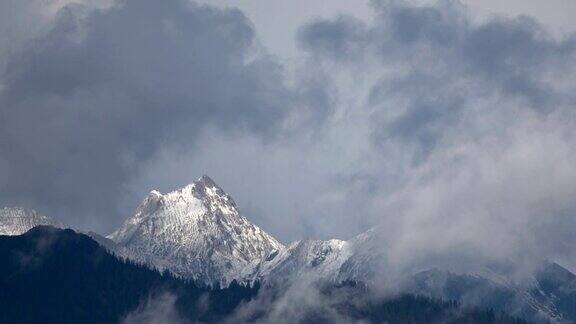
x,y
196,232
18,220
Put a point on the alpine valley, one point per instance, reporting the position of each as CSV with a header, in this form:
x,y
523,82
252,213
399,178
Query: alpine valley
x,y
194,247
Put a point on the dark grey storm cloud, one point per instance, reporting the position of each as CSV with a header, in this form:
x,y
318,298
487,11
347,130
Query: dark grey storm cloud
x,y
82,105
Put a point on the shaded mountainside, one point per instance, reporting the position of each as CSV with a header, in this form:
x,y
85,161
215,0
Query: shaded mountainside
x,y
420,309
198,235
50,275
550,295
557,288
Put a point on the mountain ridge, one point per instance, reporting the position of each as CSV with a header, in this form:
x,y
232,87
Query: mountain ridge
x,y
73,279
197,232
18,220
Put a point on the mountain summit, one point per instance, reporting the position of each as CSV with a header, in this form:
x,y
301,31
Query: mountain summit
x,y
195,232
18,220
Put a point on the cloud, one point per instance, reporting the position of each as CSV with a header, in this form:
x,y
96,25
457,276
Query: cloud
x,y
85,103
441,129
300,301
343,37
473,124
156,310
431,116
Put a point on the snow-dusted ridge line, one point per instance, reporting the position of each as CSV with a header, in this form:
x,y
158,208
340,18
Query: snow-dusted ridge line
x,y
18,220
310,259
198,232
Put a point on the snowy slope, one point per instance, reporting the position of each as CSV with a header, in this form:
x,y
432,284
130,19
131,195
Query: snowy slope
x,y
315,259
17,220
195,232
330,260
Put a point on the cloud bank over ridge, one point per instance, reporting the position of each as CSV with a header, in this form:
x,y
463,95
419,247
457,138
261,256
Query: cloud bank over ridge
x,y
453,136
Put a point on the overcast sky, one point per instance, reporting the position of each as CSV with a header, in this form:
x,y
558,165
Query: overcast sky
x,y
278,21
442,121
